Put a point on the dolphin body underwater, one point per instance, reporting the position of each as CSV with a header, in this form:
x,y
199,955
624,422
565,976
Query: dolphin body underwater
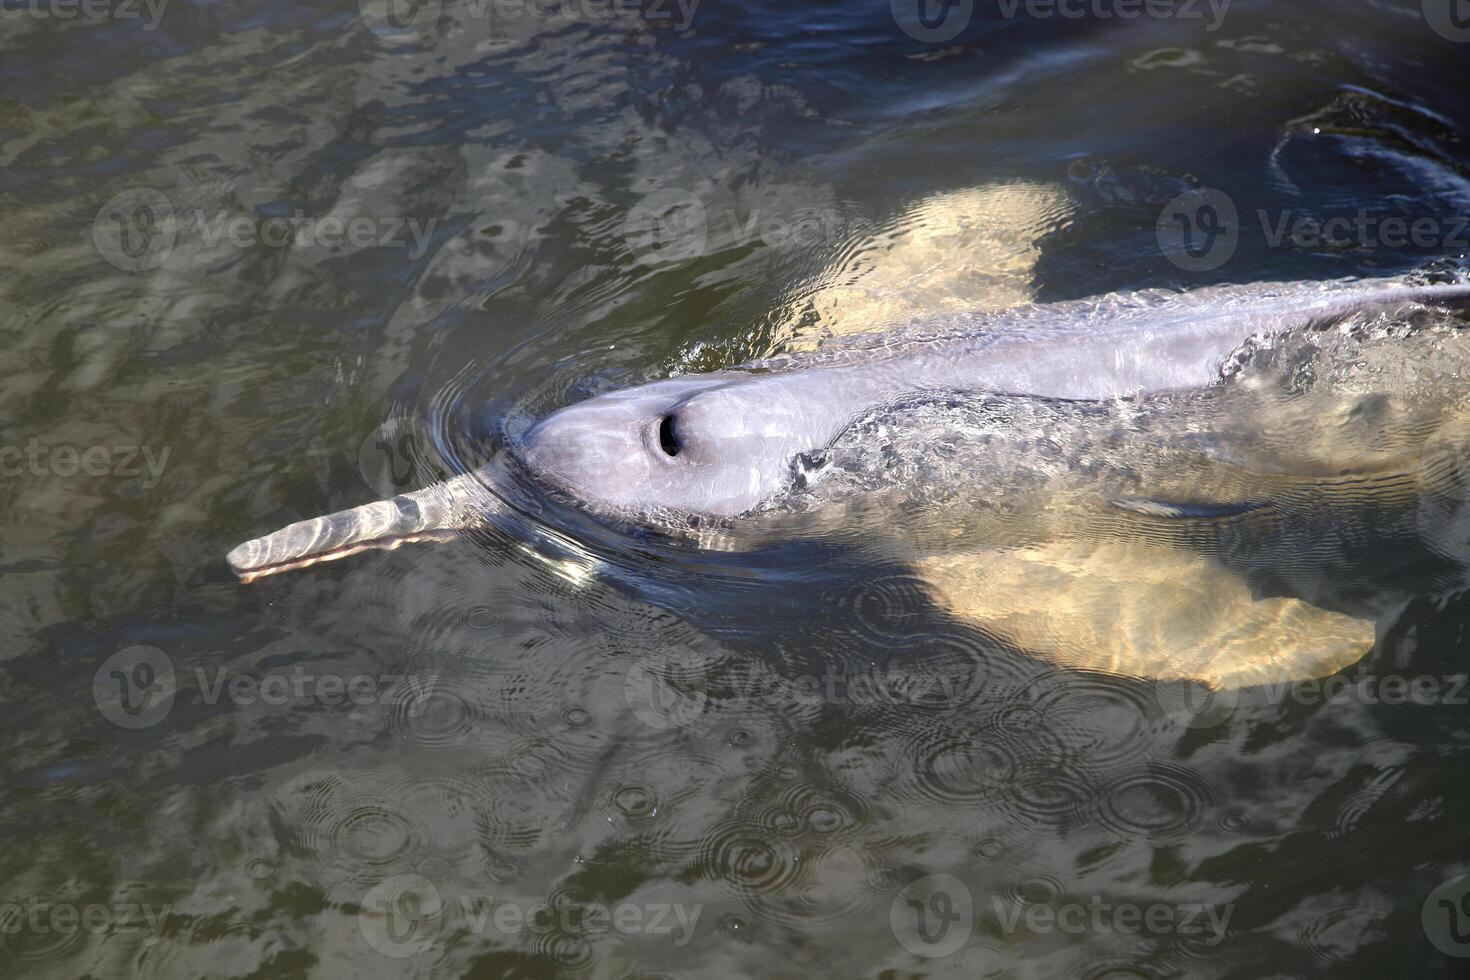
x,y
1097,482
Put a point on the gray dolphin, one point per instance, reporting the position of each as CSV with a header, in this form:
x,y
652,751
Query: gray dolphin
x,y
744,448
720,445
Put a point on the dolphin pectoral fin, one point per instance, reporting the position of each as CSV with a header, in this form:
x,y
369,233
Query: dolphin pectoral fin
x,y
436,513
1143,610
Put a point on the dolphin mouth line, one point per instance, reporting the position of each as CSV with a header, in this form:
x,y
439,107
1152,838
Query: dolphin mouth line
x,y
390,542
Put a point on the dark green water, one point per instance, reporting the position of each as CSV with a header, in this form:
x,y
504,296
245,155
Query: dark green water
x,y
236,239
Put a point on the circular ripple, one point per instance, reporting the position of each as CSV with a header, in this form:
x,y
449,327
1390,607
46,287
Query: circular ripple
x,y
373,835
749,862
434,718
735,927
1116,967
1101,719
21,943
1048,794
634,801
351,823
832,892
569,952
496,867
1160,800
960,669
887,607
575,716
1036,890
963,768
822,810
512,817
988,849
481,618
1334,936
1234,822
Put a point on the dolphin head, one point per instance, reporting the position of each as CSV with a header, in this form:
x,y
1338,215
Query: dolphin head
x,y
713,445
704,446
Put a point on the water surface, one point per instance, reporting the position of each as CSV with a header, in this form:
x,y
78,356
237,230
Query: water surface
x,y
353,769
